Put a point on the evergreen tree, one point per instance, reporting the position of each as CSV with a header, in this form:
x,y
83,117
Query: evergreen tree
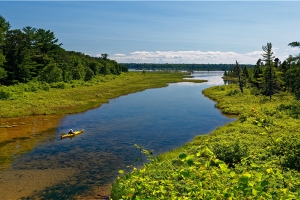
x,y
257,74
270,80
241,76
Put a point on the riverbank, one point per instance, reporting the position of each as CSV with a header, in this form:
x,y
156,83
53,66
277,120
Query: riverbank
x,y
257,156
79,96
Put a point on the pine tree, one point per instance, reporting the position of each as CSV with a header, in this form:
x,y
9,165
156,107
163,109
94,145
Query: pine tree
x,y
270,80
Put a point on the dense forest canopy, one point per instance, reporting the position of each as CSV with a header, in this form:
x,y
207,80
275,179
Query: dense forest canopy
x,y
35,54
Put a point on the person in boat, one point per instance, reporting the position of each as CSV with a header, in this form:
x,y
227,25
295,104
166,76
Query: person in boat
x,y
71,131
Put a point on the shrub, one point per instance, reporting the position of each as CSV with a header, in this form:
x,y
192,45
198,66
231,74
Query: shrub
x,y
288,147
230,153
255,91
4,94
233,92
292,109
31,87
242,118
44,86
59,85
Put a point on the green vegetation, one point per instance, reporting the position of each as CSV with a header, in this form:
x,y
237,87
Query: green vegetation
x,y
255,157
39,98
39,77
269,76
34,54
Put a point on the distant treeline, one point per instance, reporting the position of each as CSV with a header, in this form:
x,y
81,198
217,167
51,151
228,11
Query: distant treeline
x,y
188,67
34,54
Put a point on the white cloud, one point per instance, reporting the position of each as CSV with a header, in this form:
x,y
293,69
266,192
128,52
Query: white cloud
x,y
119,55
188,57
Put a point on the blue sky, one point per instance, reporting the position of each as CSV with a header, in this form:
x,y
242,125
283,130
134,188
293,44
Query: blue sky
x,y
164,31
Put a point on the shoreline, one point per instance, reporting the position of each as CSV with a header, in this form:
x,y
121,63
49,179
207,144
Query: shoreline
x,y
82,98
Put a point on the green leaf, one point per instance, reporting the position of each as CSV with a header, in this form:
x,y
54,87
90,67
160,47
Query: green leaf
x,y
251,183
254,192
190,157
264,183
182,155
190,162
224,167
121,171
185,174
232,174
245,178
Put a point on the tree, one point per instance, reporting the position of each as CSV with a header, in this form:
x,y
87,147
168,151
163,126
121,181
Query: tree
x,y
45,43
95,66
257,73
104,56
78,72
3,74
241,76
15,50
294,44
293,79
4,27
51,73
277,62
270,80
89,74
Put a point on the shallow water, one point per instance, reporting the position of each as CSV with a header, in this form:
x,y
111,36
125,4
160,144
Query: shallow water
x,y
157,119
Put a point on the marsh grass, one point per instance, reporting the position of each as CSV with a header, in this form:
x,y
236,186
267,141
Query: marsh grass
x,y
77,96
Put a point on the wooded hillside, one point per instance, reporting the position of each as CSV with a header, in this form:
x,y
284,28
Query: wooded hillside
x,y
35,54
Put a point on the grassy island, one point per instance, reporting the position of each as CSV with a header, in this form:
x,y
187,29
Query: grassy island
x,y
255,157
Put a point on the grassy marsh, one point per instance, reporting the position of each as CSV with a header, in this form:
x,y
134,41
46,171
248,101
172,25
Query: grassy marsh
x,y
78,96
255,157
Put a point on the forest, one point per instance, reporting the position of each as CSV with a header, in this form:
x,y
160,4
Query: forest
x,y
182,66
35,54
269,75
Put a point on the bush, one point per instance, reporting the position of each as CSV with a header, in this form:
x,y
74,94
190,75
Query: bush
x,y
230,153
288,147
255,91
233,92
4,94
59,85
31,87
292,109
44,86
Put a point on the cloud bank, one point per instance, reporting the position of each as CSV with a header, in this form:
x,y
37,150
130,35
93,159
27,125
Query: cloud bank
x,y
215,57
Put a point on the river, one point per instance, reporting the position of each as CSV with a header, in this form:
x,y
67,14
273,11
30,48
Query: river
x,y
158,119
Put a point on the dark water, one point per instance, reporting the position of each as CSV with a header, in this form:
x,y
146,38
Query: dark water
x,y
157,119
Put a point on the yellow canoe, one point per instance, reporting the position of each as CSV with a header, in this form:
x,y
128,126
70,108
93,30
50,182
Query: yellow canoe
x,y
65,135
